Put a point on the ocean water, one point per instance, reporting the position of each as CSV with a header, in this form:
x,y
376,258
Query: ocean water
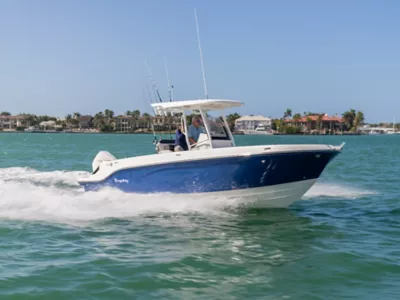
x,y
341,241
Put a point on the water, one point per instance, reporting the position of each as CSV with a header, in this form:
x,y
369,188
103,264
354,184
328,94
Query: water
x,y
57,242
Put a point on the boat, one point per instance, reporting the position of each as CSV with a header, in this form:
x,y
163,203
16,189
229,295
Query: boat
x,y
213,166
262,176
259,130
394,130
375,132
32,129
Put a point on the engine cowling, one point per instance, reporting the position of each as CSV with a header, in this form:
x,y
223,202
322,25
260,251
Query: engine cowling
x,y
100,157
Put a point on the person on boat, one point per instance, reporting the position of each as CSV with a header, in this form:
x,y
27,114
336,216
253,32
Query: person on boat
x,y
194,130
180,140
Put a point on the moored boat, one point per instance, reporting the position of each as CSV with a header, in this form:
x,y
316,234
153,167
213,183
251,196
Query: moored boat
x,y
259,130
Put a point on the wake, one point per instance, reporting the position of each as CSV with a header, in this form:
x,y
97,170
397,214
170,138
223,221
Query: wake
x,y
28,194
335,190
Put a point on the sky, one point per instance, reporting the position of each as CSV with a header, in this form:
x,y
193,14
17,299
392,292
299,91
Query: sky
x,y
60,57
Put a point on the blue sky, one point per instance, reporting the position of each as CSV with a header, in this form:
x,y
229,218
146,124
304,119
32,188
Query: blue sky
x,y
58,57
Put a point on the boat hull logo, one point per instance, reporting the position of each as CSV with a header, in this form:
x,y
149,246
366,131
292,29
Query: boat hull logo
x,y
121,180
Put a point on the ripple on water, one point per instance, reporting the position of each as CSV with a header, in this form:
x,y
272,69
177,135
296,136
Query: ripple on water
x,y
61,243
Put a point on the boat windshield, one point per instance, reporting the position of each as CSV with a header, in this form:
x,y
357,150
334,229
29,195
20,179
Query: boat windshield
x,y
217,128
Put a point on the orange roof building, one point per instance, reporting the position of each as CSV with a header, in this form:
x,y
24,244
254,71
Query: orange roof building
x,y
310,122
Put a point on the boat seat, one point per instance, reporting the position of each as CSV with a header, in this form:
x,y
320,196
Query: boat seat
x,y
166,145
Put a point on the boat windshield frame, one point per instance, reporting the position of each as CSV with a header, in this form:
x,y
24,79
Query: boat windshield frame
x,y
201,107
206,122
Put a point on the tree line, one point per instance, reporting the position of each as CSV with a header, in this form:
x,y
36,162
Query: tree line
x,y
352,120
105,120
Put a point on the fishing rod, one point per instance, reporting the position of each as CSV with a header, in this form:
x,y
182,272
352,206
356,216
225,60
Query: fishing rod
x,y
152,80
201,55
170,93
149,101
150,96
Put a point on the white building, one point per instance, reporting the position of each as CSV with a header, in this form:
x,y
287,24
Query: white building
x,y
251,122
47,125
124,123
12,122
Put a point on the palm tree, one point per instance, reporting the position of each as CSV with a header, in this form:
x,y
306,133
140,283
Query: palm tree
x,y
136,114
5,113
109,114
349,117
31,120
319,122
231,119
68,119
98,120
309,120
128,113
108,119
296,117
288,113
61,123
76,115
276,125
358,120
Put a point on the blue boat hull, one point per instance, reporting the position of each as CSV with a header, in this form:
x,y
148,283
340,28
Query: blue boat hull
x,y
219,174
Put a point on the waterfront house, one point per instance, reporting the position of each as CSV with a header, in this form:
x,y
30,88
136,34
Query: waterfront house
x,y
166,122
124,123
249,123
85,122
323,123
13,122
129,123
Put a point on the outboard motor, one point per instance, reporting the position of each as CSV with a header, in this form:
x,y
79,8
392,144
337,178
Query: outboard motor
x,y
100,157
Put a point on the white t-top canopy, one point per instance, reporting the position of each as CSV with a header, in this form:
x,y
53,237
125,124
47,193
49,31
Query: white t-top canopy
x,y
205,104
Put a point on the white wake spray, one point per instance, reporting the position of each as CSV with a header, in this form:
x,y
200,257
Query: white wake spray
x,y
27,194
335,190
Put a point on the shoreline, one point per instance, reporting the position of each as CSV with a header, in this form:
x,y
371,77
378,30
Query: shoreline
x,y
170,132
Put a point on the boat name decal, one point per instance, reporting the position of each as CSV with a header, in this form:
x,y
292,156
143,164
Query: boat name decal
x,y
121,180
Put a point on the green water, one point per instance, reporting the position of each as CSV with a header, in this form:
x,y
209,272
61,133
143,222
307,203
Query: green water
x,y
57,242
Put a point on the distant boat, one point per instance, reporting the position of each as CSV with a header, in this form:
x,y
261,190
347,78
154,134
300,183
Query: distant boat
x,y
32,129
394,131
260,130
375,132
